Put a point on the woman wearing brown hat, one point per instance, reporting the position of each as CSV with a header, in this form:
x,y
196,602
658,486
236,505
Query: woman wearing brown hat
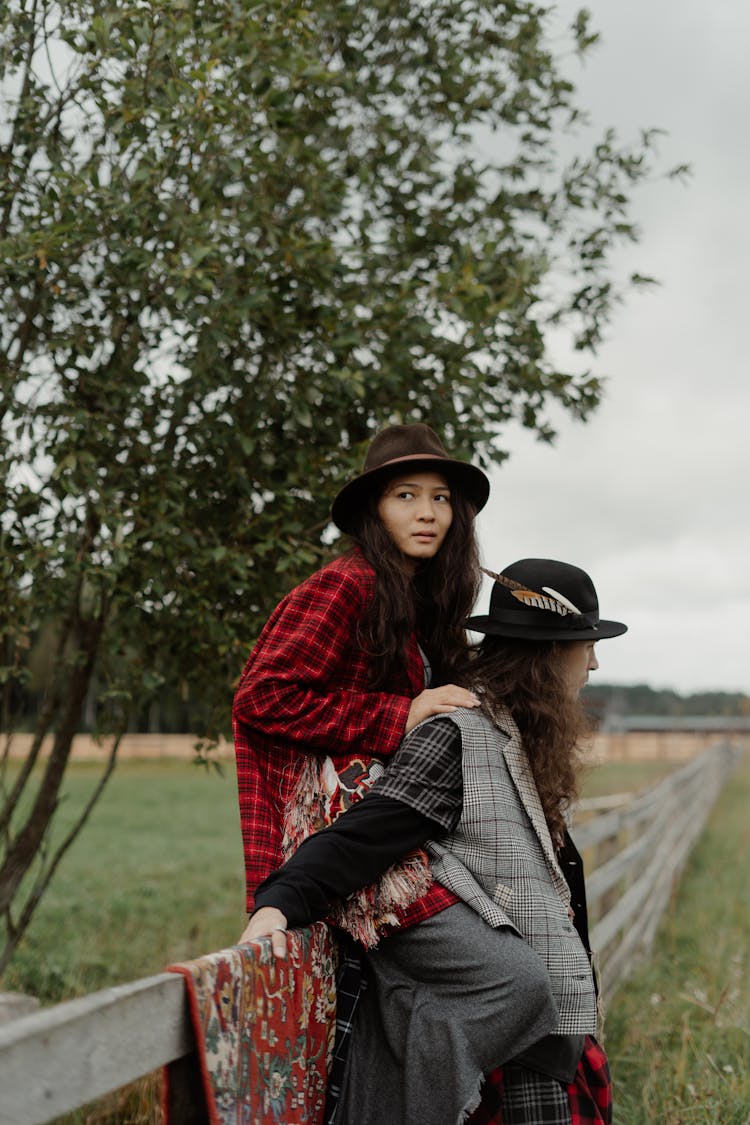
x,y
487,791
342,671
343,668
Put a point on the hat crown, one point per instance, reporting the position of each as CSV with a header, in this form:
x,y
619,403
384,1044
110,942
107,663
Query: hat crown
x,y
542,576
544,600
414,445
401,441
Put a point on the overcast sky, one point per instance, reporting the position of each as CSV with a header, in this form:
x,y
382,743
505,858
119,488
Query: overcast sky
x,y
651,495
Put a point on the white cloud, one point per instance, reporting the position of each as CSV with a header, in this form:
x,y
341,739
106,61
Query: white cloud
x,y
651,496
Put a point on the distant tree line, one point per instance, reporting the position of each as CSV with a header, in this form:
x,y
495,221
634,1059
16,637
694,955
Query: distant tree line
x,y
640,699
174,712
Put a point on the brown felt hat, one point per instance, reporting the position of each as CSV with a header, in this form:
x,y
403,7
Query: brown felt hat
x,y
398,448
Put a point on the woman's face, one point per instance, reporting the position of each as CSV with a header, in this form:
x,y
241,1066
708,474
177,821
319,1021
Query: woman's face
x,y
416,512
577,659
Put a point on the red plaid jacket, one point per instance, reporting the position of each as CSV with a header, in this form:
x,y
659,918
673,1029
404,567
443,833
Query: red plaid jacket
x,y
304,690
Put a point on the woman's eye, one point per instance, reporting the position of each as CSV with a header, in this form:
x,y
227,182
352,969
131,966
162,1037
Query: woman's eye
x,y
443,496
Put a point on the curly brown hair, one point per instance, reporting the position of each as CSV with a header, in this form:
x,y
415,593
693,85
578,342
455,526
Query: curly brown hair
x,y
432,602
527,678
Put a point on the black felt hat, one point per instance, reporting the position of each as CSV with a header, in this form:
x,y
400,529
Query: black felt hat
x,y
399,448
544,600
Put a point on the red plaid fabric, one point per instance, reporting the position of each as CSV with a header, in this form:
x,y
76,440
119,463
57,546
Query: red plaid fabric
x,y
304,690
589,1095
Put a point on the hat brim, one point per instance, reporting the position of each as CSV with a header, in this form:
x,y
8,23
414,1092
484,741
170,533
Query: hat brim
x,y
494,628
352,498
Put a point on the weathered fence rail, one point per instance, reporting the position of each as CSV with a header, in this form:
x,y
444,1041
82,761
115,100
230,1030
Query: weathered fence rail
x,y
635,852
61,1058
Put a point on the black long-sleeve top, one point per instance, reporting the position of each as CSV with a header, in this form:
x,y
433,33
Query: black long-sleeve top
x,y
381,829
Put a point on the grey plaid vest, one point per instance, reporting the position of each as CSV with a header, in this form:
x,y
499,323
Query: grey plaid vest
x,y
500,860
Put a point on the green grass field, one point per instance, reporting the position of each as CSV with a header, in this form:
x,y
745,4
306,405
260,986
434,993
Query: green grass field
x,y
678,1033
624,777
156,877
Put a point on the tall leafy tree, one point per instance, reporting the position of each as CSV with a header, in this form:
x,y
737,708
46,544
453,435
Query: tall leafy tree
x,y
236,237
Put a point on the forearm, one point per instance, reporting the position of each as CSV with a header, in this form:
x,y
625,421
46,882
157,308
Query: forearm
x,y
351,853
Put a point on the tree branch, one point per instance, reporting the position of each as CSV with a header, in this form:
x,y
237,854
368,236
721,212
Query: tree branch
x,y
17,929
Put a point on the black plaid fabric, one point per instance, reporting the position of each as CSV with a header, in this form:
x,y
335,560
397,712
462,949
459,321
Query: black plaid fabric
x,y
529,1098
351,982
425,772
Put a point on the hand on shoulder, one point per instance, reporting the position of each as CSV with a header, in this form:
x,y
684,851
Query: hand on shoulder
x,y
439,701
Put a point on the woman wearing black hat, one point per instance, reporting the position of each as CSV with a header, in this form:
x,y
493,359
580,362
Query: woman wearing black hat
x,y
342,671
489,790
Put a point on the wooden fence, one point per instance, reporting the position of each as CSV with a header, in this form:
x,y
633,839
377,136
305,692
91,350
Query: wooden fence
x,y
635,851
61,1058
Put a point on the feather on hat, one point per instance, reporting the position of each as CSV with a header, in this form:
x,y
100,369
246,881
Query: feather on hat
x,y
544,600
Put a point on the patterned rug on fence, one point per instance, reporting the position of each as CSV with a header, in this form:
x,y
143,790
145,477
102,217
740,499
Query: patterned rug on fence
x,y
264,1030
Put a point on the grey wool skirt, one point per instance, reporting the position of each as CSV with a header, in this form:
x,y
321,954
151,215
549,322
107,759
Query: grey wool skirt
x,y
446,1001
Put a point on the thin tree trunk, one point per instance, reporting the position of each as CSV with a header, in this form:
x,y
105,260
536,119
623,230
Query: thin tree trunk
x,y
44,722
24,846
16,929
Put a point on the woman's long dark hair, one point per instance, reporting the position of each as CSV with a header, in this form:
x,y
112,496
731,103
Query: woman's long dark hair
x,y
432,603
527,678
